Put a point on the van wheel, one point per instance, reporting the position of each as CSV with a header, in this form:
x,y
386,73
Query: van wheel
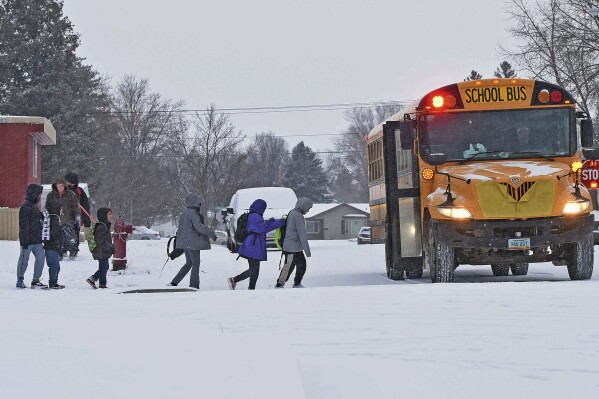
x,y
396,274
580,262
500,270
442,259
519,269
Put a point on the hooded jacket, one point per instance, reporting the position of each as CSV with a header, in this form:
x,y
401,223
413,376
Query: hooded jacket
x,y
54,241
295,232
30,217
192,233
104,248
69,205
73,178
254,246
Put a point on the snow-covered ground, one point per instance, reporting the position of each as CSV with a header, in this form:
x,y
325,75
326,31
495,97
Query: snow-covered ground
x,y
351,334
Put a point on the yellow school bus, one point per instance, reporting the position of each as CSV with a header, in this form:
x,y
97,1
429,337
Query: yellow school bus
x,y
483,172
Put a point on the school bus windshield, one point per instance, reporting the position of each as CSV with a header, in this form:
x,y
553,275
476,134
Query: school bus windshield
x,y
513,134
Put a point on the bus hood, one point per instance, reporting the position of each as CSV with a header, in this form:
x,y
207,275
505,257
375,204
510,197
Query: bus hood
x,y
507,189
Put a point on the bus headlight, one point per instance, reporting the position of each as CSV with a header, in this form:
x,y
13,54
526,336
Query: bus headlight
x,y
574,207
455,212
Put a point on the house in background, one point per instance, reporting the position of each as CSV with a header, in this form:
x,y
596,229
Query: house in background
x,y
336,221
21,141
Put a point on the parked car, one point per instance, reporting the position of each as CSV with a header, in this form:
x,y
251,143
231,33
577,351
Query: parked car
x,y
279,201
221,237
364,235
143,233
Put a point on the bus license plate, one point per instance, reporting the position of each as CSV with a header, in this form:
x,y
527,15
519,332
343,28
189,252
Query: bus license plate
x,y
518,243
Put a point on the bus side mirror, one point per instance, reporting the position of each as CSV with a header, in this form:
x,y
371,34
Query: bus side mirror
x,y
590,154
230,210
436,159
586,133
406,135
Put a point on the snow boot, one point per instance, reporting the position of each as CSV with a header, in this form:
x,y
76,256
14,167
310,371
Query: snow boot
x,y
231,282
298,286
171,285
92,282
38,284
56,286
21,284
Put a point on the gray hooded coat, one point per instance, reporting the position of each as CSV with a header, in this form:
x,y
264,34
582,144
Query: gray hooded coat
x,y
295,232
192,233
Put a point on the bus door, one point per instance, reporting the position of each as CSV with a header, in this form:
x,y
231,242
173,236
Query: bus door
x,y
403,240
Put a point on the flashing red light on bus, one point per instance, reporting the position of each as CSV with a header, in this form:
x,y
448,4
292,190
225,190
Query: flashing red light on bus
x,y
556,96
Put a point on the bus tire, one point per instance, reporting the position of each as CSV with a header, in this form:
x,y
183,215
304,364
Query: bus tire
x,y
442,259
500,270
580,263
519,269
396,274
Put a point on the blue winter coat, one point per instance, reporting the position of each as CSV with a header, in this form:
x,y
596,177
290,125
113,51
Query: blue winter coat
x,y
254,245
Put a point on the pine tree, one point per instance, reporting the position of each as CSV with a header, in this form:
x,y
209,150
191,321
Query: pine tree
x,y
305,175
505,70
473,76
41,75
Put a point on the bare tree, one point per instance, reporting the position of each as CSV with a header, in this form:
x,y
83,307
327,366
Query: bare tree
x,y
214,163
267,154
558,42
144,130
351,146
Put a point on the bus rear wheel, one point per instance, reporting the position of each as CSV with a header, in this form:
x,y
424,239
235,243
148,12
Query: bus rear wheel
x,y
500,270
580,264
441,258
519,269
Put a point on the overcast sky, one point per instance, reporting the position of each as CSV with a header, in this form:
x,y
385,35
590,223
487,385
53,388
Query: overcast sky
x,y
263,53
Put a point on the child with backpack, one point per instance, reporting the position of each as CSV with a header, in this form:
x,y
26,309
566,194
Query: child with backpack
x,y
100,245
254,245
295,244
52,239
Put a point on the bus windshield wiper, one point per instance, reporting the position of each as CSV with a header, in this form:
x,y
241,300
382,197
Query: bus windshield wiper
x,y
534,153
477,154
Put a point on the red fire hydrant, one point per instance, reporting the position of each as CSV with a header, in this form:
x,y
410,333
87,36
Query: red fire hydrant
x,y
119,240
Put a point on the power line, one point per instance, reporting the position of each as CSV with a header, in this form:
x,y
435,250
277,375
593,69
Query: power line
x,y
262,110
194,156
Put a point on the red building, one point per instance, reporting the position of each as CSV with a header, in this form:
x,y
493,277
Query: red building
x,y
21,141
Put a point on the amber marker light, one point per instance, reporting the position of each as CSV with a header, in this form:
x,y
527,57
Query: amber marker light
x,y
543,96
576,166
594,184
428,174
513,81
438,101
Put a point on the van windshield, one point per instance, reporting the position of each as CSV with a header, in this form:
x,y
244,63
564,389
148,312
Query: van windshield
x,y
275,197
514,134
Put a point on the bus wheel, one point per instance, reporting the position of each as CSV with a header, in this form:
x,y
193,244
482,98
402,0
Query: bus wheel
x,y
580,264
519,269
500,270
442,259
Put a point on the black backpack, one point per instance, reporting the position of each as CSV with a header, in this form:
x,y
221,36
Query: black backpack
x,y
175,252
241,231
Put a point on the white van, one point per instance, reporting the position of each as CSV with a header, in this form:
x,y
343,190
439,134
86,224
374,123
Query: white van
x,y
279,201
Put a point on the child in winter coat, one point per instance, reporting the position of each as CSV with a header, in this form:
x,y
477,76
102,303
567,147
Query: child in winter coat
x,y
104,248
52,238
295,245
30,237
254,246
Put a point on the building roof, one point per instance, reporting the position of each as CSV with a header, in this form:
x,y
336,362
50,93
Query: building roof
x,y
317,209
46,135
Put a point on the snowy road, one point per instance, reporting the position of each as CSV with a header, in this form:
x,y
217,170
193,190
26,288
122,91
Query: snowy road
x,y
352,334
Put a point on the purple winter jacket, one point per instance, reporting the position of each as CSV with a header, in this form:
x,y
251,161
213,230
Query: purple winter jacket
x,y
254,245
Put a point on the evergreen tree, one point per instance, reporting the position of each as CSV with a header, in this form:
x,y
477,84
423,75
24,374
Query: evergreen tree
x,y
473,76
305,175
41,75
505,70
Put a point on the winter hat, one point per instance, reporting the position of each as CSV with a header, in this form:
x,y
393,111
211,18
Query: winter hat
x,y
72,178
193,201
33,192
103,214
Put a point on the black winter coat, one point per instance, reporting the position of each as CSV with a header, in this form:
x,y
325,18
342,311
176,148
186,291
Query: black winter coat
x,y
84,202
55,241
30,217
104,248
